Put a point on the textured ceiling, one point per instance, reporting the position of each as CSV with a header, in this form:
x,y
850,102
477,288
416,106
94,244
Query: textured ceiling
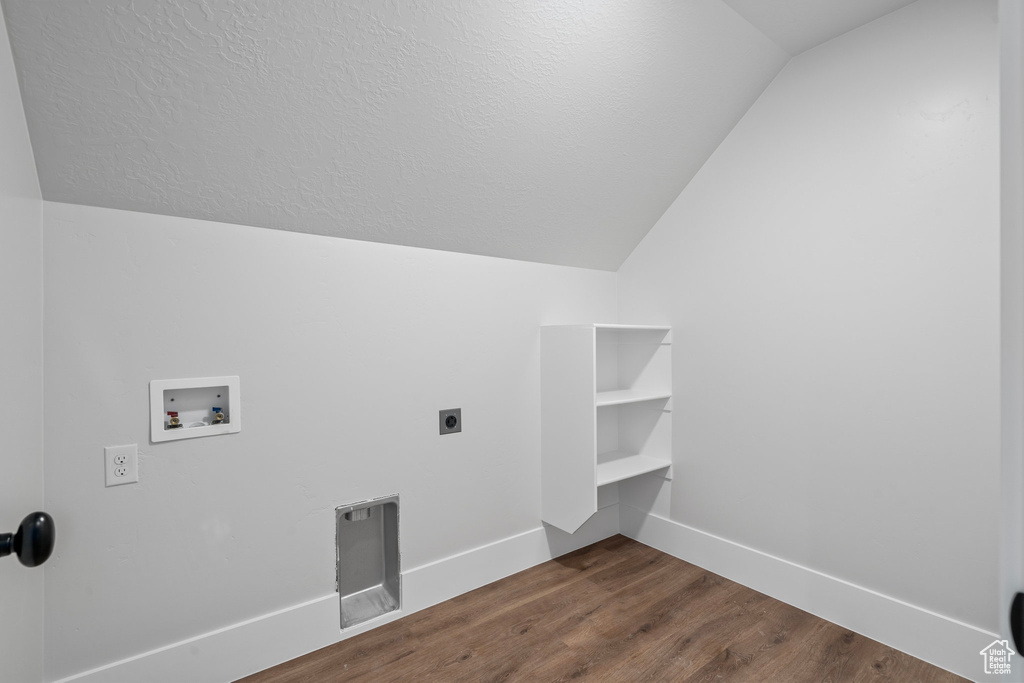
x,y
544,131
798,25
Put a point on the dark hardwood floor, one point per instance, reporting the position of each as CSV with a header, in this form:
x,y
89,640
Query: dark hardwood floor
x,y
614,611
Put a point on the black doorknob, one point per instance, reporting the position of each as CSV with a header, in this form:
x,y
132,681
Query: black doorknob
x,y
33,542
1017,620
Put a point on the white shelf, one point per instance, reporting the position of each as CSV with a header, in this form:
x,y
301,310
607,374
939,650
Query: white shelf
x,y
615,398
639,328
617,465
584,444
632,334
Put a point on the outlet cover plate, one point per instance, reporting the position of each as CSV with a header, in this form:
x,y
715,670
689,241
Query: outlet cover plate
x,y
121,464
450,421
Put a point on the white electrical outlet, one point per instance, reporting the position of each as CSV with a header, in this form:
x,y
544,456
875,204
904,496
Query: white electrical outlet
x,y
121,464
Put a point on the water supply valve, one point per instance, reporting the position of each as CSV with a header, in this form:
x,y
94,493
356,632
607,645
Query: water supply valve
x,y
194,407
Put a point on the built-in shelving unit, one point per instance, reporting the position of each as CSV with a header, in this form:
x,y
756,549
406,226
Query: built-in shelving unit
x,y
606,395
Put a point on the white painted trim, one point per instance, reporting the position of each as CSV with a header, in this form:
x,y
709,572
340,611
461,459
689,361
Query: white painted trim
x,y
249,646
940,640
253,645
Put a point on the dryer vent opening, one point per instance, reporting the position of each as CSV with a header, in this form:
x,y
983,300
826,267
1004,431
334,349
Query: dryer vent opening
x,y
369,563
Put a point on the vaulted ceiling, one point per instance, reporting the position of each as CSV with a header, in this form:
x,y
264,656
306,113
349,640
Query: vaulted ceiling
x,y
556,132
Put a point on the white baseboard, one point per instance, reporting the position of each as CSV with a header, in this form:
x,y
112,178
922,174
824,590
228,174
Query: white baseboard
x,y
250,646
944,642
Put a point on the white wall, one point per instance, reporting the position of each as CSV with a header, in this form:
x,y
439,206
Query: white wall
x,y
1011,103
346,351
832,275
21,486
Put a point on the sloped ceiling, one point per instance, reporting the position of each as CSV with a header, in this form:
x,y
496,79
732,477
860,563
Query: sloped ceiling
x,y
556,132
798,25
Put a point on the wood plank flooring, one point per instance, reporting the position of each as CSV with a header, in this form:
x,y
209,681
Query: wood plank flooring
x,y
614,611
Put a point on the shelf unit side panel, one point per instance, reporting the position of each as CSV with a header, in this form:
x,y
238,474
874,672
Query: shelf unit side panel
x,y
568,464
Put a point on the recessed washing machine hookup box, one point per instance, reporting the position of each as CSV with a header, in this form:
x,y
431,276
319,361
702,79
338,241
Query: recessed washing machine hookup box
x,y
369,563
189,408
